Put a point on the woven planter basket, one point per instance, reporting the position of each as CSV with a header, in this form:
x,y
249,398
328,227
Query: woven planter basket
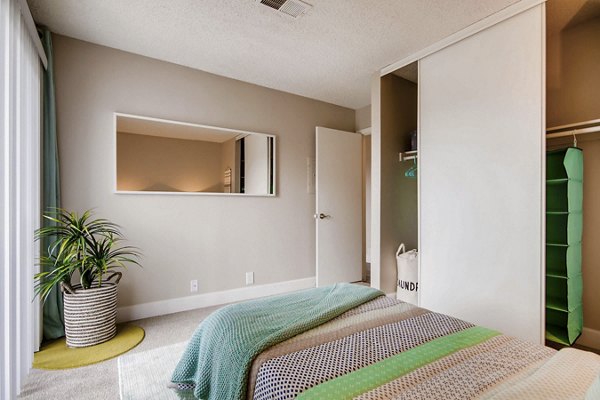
x,y
90,315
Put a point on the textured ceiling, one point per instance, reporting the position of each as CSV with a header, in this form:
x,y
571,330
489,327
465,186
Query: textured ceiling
x,y
329,54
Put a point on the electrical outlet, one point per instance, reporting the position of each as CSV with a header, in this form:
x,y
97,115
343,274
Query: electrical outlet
x,y
249,278
193,285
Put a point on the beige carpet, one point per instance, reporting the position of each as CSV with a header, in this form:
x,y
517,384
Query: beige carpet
x,y
101,381
145,375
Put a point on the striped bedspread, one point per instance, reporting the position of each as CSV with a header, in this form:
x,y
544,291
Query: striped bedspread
x,y
386,349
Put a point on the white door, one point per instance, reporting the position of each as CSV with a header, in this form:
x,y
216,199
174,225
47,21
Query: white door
x,y
481,146
256,164
338,206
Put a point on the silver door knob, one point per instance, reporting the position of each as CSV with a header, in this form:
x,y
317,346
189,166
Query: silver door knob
x,y
322,216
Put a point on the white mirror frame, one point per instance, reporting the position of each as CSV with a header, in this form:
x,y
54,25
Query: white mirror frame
x,y
227,130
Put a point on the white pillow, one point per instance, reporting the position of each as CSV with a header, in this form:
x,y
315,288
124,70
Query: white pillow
x,y
593,392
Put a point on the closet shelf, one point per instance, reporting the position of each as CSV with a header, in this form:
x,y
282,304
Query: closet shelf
x,y
556,276
555,212
556,307
564,314
557,334
408,155
557,181
561,181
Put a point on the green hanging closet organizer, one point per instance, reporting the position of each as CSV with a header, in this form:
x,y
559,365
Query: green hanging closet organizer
x,y
564,226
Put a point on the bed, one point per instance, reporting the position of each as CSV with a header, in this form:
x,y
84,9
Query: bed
x,y
352,342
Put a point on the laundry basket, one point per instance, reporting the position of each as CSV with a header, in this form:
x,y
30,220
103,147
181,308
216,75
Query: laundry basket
x,y
408,275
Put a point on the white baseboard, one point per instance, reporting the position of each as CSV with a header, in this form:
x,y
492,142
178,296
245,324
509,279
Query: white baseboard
x,y
156,308
589,338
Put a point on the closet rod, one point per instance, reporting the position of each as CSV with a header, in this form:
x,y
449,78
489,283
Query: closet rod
x,y
580,128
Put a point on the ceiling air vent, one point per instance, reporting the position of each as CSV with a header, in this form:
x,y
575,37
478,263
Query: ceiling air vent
x,y
289,8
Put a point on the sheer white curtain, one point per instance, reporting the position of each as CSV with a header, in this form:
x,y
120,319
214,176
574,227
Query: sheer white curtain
x,y
20,91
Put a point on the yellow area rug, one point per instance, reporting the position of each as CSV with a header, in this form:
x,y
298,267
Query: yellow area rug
x,y
56,354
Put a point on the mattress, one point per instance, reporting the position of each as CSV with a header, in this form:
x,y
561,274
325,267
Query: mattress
x,y
388,349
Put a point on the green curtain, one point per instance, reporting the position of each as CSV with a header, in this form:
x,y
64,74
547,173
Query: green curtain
x,y
53,307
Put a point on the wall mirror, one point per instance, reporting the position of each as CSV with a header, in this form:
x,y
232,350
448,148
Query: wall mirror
x,y
162,156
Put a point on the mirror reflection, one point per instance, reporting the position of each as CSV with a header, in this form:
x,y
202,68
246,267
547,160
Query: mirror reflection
x,y
155,155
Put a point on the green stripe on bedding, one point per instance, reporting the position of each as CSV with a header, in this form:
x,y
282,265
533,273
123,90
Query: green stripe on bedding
x,y
368,378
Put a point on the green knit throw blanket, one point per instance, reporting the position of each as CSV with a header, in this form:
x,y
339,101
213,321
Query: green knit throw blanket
x,y
219,355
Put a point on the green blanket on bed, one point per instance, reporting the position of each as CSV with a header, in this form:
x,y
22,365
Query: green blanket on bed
x,y
220,352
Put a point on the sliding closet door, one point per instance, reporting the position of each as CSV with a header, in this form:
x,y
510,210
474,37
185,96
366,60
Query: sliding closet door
x,y
481,172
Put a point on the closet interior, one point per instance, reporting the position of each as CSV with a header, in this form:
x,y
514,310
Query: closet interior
x,y
572,170
476,208
399,168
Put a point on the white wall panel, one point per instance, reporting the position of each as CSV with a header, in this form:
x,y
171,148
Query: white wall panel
x,y
481,171
20,70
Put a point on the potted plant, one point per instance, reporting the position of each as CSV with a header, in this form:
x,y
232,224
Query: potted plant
x,y
87,251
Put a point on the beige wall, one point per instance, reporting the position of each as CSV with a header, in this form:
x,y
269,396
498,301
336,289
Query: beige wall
x,y
591,233
363,118
214,239
399,208
574,96
166,164
573,87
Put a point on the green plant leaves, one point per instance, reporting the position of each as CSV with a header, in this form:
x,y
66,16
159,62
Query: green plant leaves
x,y
80,245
